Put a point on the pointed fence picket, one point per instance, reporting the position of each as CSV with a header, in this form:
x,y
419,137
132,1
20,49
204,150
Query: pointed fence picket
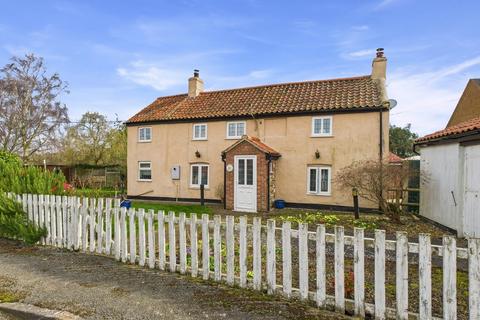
x,y
100,226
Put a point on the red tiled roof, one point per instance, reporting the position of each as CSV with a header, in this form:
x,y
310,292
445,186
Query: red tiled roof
x,y
463,127
308,96
257,144
393,158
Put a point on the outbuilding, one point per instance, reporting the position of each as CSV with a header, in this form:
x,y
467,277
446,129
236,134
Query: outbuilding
x,y
450,177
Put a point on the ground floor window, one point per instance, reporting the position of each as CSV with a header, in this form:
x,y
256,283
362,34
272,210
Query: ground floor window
x,y
319,180
144,171
199,175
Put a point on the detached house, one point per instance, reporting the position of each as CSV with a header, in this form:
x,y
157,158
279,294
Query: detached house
x,y
250,146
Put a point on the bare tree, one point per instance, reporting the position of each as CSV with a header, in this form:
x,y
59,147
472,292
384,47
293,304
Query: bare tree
x,y
373,180
87,142
31,113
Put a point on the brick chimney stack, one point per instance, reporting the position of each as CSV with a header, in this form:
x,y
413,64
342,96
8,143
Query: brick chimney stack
x,y
379,65
195,84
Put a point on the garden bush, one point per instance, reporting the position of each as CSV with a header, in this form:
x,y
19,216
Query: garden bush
x,y
19,179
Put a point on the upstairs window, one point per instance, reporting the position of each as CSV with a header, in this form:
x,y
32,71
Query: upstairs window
x,y
235,130
145,171
200,131
321,126
319,180
199,175
145,134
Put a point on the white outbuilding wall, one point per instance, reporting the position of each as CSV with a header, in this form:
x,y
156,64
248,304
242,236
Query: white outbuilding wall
x,y
443,193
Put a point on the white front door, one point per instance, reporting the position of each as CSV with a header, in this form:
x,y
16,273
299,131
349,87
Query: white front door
x,y
471,202
245,191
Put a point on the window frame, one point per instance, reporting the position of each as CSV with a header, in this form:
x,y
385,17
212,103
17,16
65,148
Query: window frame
x,y
236,129
139,169
139,135
321,134
319,191
200,166
206,131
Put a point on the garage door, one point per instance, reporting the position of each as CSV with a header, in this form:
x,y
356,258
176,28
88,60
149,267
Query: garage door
x,y
471,204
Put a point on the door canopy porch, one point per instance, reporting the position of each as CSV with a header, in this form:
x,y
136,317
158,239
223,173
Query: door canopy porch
x,y
248,173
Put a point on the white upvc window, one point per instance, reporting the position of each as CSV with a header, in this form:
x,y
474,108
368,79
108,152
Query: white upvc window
x,y
322,126
144,134
200,131
236,129
199,175
145,171
319,180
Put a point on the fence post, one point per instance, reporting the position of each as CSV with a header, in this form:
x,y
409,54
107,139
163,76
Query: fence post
x,y
84,213
141,237
58,202
359,272
271,257
402,276
380,275
47,218
321,272
91,222
117,231
161,240
133,235
425,276
217,248
339,270
100,225
287,258
205,247
257,253
108,225
123,234
243,252
474,278
449,278
182,237
303,260
193,244
230,237
172,243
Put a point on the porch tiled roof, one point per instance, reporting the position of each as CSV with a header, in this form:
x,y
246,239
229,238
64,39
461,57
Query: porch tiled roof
x,y
257,143
463,127
354,93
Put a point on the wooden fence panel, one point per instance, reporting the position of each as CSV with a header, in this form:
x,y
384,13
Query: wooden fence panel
x,y
257,253
425,277
271,257
141,237
132,235
474,278
339,270
205,247
161,240
230,243
321,295
182,237
217,248
380,308
359,272
402,276
243,251
303,260
449,278
172,242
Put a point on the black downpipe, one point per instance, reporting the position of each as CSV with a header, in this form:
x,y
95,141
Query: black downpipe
x,y
224,181
268,181
381,135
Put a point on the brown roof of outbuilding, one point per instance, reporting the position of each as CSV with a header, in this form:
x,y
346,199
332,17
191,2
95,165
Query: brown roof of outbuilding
x,y
463,127
393,158
297,97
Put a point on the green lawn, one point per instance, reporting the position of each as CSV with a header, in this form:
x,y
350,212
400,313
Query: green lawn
x,y
193,208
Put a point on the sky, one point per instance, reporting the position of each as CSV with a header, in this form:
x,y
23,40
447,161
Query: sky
x,y
118,56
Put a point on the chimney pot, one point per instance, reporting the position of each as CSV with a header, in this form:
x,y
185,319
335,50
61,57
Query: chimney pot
x,y
196,73
380,53
379,65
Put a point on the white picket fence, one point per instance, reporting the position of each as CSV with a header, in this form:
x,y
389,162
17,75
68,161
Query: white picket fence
x,y
101,226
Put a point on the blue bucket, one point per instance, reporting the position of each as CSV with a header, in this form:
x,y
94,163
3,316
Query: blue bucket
x,y
279,204
126,204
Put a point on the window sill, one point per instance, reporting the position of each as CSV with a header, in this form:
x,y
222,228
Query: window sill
x,y
198,187
324,194
144,180
144,141
200,139
322,136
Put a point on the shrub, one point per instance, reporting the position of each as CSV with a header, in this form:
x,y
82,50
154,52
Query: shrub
x,y
16,178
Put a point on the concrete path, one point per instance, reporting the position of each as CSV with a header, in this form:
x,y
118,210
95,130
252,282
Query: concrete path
x,y
95,287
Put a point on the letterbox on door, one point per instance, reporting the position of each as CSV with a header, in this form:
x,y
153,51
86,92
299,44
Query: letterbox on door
x,y
175,172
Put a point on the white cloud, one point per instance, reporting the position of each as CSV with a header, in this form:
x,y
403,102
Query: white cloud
x,y
427,99
362,53
153,76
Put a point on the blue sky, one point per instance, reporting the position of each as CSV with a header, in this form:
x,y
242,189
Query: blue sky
x,y
119,56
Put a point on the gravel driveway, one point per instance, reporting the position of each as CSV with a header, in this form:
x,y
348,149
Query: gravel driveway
x,y
96,287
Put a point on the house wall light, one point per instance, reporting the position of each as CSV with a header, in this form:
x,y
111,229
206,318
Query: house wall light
x,y
197,154
317,154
